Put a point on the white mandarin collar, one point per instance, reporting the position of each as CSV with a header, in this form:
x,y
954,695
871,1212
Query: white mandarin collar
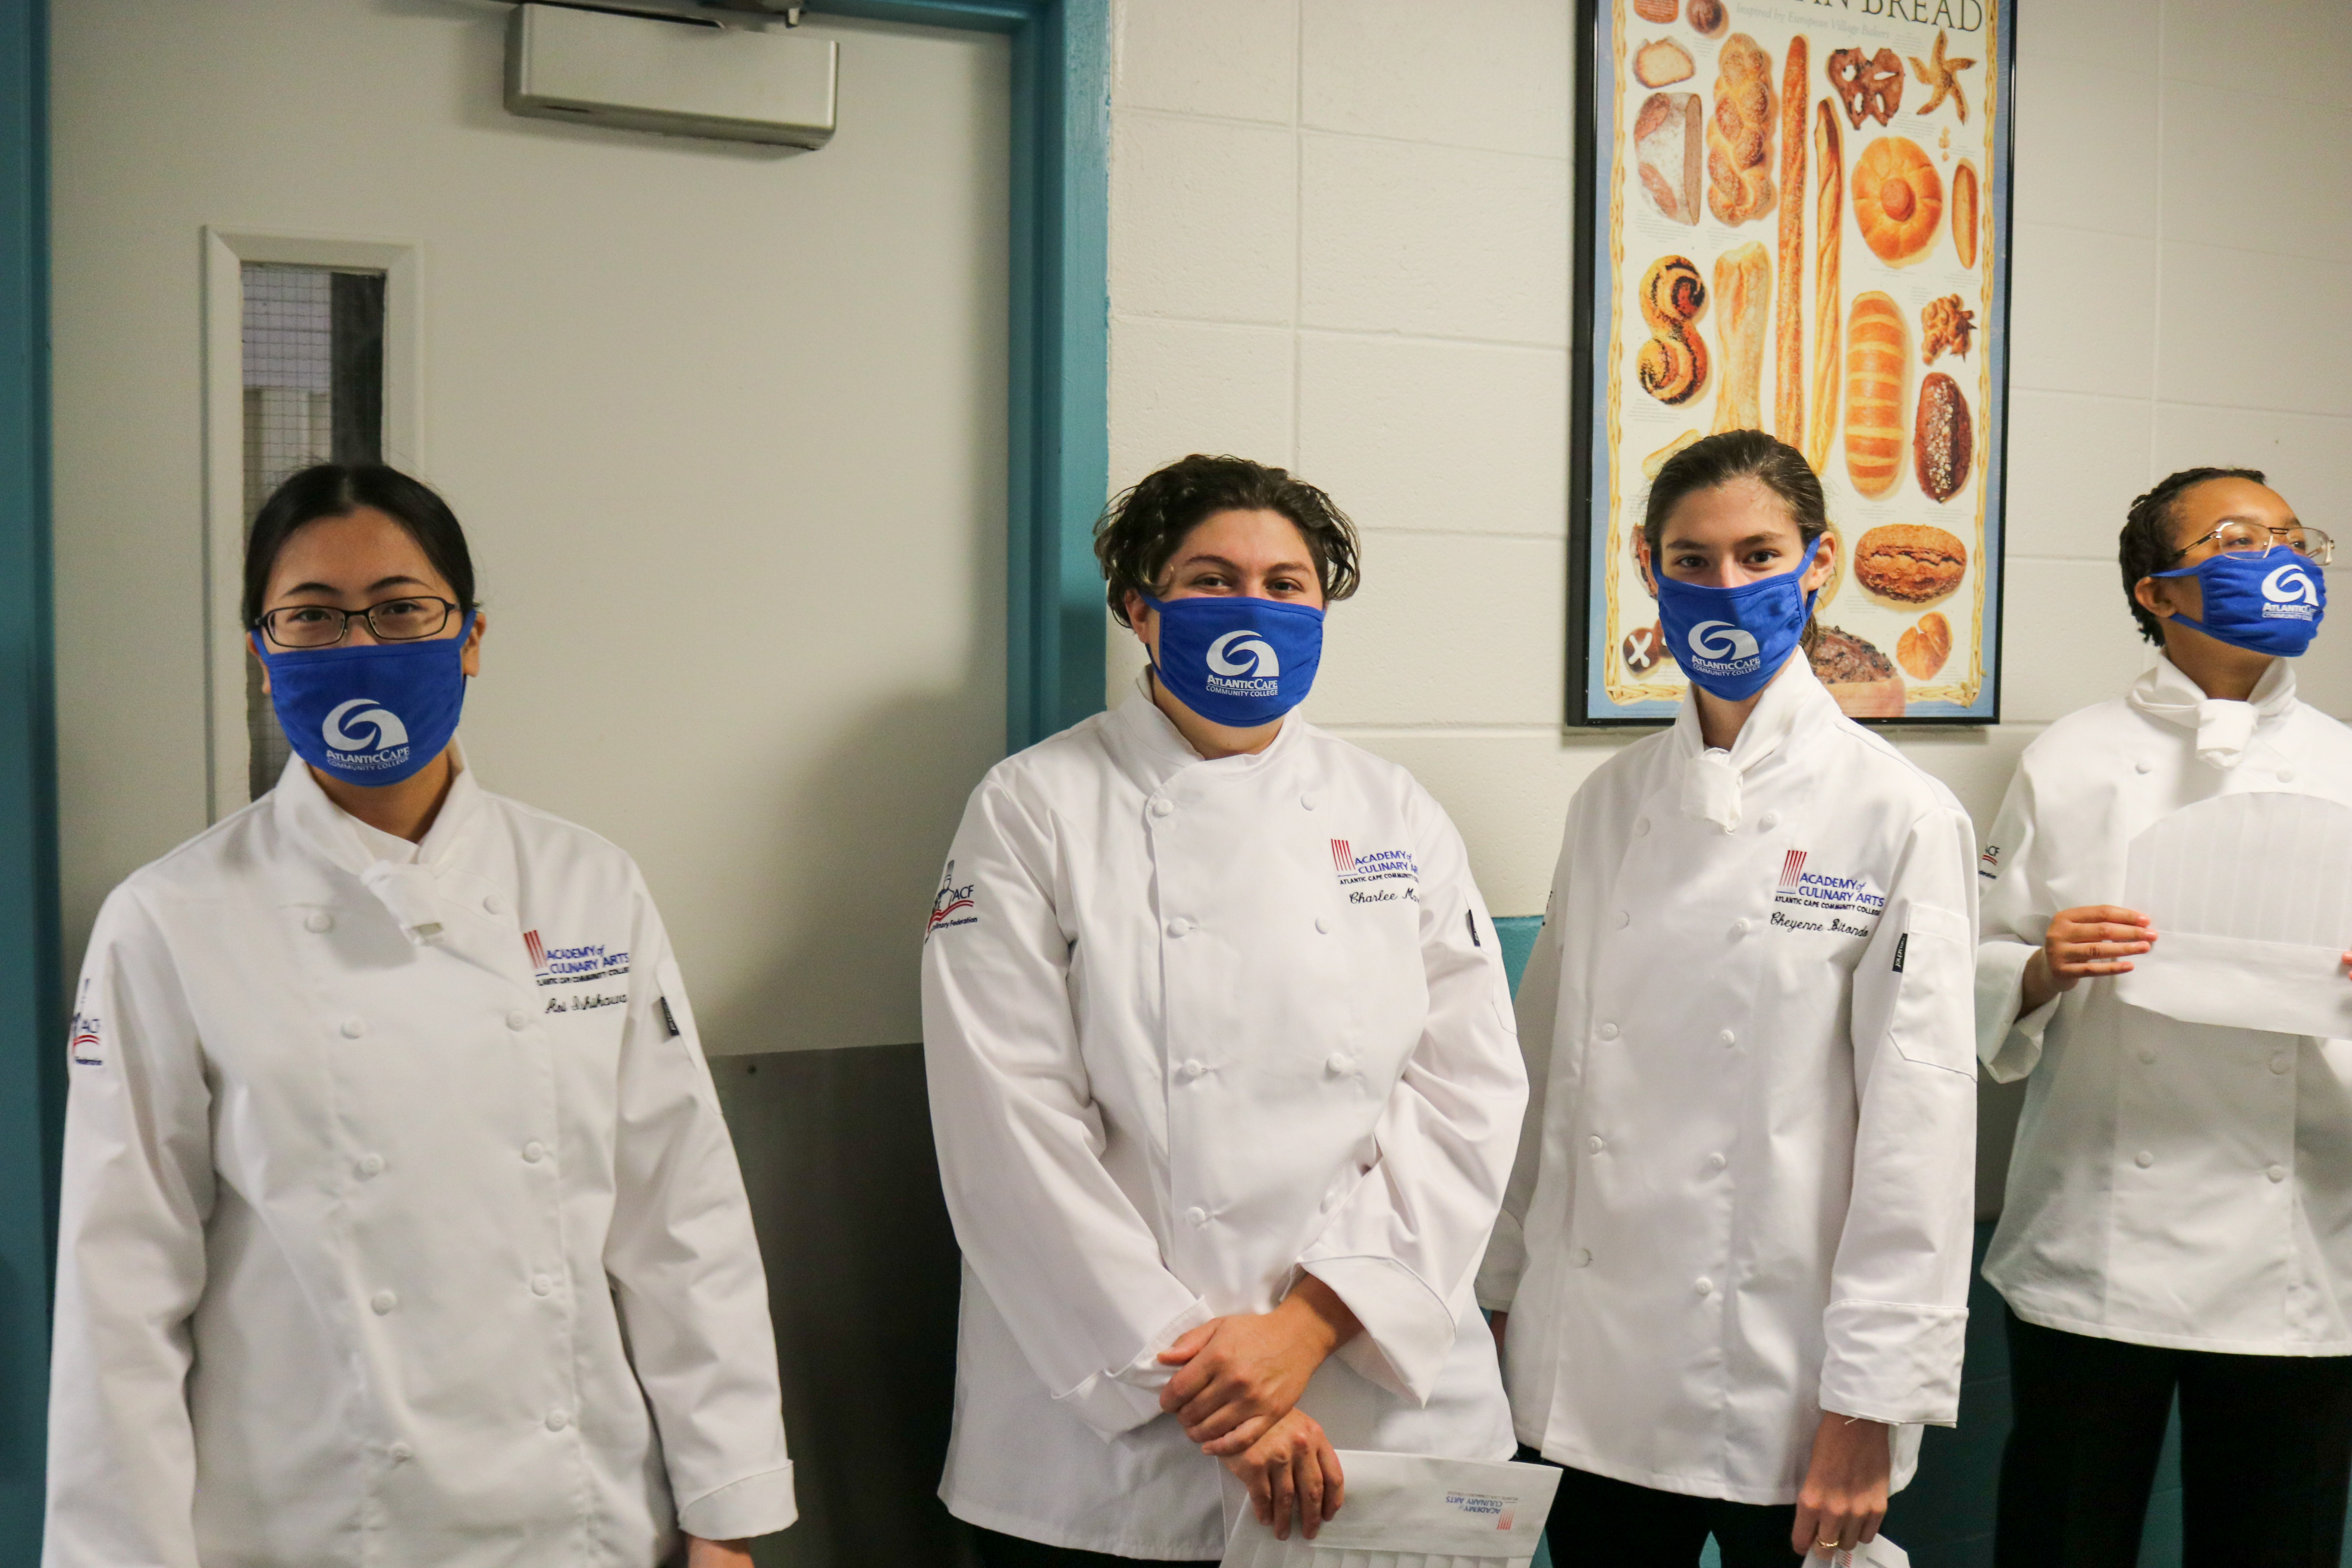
x,y
1165,750
408,889
1711,779
2222,727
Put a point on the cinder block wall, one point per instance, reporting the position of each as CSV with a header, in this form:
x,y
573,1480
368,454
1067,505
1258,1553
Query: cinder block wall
x,y
1339,242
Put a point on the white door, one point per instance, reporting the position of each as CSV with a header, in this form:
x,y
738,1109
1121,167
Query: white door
x,y
725,425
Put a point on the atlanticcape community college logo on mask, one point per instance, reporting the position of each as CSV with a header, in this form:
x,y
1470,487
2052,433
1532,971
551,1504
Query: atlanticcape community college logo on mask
x,y
1243,664
363,736
1720,648
2289,595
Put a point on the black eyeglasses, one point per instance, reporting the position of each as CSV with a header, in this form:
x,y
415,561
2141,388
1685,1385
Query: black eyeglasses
x,y
2240,538
406,619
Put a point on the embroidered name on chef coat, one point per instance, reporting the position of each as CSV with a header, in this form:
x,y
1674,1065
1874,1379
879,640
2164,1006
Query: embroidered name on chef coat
x,y
574,965
1809,899
952,905
1359,872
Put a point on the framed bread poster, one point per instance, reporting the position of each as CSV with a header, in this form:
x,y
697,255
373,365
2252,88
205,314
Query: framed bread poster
x,y
1793,217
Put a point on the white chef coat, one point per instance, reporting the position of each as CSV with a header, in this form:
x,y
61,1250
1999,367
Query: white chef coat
x,y
400,1225
2173,1184
1744,1195
1192,1027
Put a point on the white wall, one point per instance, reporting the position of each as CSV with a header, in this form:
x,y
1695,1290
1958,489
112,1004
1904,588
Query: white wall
x,y
1339,242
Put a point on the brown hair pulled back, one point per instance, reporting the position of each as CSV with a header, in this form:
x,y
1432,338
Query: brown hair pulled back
x,y
1726,458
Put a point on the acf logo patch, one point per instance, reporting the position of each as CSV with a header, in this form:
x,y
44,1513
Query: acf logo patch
x,y
952,905
87,1040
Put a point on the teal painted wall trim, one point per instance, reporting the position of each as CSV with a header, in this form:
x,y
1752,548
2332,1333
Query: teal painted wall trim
x,y
32,1065
1060,374
1518,936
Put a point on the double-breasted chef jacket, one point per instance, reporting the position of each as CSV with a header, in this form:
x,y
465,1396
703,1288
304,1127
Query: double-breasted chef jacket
x,y
1192,1028
2173,1184
400,1227
1745,1193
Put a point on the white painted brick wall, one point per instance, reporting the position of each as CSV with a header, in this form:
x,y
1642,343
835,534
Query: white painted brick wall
x,y
1339,243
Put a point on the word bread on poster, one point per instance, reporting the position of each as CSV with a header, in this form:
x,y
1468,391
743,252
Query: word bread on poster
x,y
1797,235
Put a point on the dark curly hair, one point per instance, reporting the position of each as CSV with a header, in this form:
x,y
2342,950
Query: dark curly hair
x,y
1140,531
2145,547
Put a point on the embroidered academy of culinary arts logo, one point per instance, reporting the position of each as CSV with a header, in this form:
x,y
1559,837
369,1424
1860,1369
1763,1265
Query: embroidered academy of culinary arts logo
x,y
952,905
365,736
2289,595
571,965
1355,872
1838,900
1718,647
1241,664
1485,1505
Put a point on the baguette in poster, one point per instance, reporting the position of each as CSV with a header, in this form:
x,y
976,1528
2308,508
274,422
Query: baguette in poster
x,y
1789,328
1743,296
1829,150
1877,371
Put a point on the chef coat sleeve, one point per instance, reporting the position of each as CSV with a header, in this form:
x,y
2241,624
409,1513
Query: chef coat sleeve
x,y
1537,1008
684,1267
1403,1248
2018,907
1899,1285
1063,1255
136,1193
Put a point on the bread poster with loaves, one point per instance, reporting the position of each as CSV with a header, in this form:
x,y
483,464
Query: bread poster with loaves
x,y
1796,221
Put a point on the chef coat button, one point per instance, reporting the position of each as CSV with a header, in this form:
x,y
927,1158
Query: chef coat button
x,y
318,920
2285,775
558,1419
1768,822
1193,1067
2148,1058
1179,926
493,904
1196,1216
1640,826
1595,1144
2143,1159
541,1285
1323,924
1717,1161
1339,1064
2276,1172
353,1028
1703,1285
1607,1031
1727,1037
1161,806
2143,766
1584,1257
1623,920
1310,800
519,1019
400,1453
2282,1064
534,1152
383,1301
371,1165
1739,926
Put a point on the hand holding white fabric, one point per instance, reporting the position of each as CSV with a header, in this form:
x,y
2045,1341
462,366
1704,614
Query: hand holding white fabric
x,y
1244,1372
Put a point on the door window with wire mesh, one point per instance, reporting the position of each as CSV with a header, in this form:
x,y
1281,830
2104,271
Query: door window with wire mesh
x,y
313,394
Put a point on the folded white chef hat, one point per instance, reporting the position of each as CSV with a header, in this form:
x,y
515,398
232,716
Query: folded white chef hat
x,y
410,892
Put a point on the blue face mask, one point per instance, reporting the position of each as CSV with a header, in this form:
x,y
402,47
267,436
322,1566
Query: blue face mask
x,y
2271,601
1237,660
372,715
1730,641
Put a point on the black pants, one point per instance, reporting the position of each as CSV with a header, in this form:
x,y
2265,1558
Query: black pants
x,y
2266,1453
1011,1551
1597,1522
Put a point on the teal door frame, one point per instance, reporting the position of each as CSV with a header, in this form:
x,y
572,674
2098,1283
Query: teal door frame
x,y
1059,472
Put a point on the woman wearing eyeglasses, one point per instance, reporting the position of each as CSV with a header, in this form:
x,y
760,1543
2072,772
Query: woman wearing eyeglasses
x,y
2178,1219
399,1222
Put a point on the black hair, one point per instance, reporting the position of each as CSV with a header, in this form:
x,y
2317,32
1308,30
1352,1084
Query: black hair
x,y
339,489
1726,459
1140,531
2145,546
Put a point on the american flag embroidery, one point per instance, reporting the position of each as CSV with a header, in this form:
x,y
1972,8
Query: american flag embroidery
x,y
1343,859
537,950
1792,869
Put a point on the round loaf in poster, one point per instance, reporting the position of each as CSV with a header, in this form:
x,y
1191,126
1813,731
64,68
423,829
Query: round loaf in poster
x,y
1910,562
1898,200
